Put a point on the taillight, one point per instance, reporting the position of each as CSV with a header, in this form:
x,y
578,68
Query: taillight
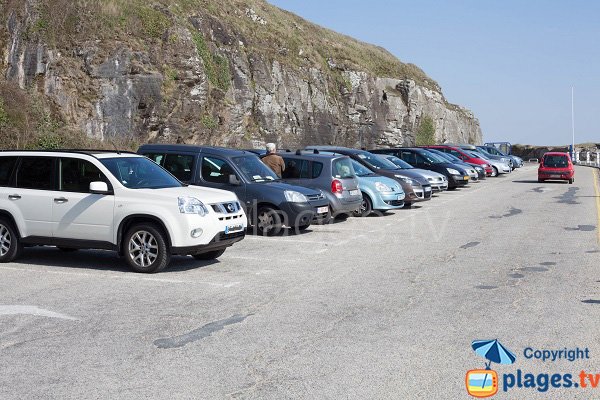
x,y
336,186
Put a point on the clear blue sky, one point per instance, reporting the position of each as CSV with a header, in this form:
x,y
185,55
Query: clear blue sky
x,y
512,63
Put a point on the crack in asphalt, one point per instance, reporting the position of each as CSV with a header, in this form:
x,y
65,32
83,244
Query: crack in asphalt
x,y
512,212
200,333
582,228
469,245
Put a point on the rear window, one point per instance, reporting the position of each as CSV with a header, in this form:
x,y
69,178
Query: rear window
x,y
557,161
342,168
36,173
7,165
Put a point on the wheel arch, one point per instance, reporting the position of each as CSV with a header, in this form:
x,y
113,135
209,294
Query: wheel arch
x,y
8,216
130,220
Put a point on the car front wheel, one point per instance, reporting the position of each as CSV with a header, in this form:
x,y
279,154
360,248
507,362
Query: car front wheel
x,y
494,171
268,221
10,244
146,249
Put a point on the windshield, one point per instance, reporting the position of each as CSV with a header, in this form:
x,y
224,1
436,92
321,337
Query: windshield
x,y
360,169
444,156
376,161
555,161
399,162
430,157
140,173
254,170
476,155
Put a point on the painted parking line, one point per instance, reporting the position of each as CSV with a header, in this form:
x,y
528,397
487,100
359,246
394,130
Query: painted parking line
x,y
123,277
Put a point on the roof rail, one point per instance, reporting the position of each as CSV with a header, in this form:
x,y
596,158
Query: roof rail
x,y
315,151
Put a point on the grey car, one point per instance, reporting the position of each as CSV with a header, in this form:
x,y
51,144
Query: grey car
x,y
438,182
331,174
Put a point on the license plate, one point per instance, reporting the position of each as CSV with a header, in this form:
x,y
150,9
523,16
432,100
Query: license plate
x,y
322,210
554,176
466,178
354,192
233,228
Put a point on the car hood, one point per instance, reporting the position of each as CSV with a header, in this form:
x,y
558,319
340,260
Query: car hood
x,y
204,194
427,173
410,173
283,185
369,181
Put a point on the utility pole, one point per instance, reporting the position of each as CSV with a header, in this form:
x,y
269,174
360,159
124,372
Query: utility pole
x,y
573,156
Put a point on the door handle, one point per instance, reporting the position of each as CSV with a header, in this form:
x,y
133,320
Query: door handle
x,y
61,200
14,197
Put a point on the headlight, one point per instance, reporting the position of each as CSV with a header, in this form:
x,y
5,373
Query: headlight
x,y
452,171
295,197
382,187
406,180
191,205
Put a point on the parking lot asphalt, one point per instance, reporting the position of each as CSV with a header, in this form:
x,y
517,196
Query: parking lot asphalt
x,y
379,307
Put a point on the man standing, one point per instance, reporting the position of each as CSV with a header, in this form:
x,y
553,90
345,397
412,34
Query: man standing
x,y
273,160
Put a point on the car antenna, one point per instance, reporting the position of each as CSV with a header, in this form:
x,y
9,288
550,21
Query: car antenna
x,y
115,146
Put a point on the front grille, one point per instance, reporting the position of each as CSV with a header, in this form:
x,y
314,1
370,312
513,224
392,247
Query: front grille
x,y
222,236
312,197
394,202
230,217
226,208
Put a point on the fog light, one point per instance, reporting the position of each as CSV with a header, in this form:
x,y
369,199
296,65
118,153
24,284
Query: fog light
x,y
196,233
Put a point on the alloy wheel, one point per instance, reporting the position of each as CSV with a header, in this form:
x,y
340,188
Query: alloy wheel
x,y
5,240
143,248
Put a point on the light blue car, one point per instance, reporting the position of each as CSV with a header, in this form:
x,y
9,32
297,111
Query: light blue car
x,y
378,192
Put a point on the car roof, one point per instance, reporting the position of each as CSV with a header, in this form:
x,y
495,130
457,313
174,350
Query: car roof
x,y
96,153
556,153
336,149
190,148
312,156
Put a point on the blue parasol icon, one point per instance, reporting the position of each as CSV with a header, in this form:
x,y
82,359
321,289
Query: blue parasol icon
x,y
493,351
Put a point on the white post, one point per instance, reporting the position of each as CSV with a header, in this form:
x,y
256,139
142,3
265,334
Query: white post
x,y
598,158
573,120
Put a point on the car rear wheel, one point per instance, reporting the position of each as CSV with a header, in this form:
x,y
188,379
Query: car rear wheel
x,y
268,221
211,255
571,181
10,243
146,249
366,207
494,171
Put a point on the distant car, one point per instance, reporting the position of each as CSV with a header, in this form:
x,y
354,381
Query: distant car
x,y
269,203
421,158
486,154
556,166
517,162
471,170
498,167
415,186
333,175
438,181
463,155
379,193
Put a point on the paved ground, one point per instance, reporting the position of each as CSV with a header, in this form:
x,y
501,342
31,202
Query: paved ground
x,y
380,307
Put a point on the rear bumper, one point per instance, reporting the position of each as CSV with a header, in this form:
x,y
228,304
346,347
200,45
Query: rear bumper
x,y
556,175
220,241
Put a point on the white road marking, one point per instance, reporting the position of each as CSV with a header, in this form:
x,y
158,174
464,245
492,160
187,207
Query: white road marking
x,y
32,310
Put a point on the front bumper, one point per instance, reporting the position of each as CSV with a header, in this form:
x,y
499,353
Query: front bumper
x,y
300,214
220,241
388,200
458,180
421,193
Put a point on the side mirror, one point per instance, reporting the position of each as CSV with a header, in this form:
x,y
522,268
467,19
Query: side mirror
x,y
233,180
98,188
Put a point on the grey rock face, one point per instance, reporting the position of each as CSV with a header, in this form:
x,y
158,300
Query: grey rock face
x,y
162,93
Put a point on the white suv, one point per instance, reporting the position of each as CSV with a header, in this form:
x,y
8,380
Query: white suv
x,y
111,200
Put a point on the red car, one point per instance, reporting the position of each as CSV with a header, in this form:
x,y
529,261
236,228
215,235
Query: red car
x,y
460,153
556,166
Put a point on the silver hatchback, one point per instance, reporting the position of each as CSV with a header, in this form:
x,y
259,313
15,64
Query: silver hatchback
x,y
332,174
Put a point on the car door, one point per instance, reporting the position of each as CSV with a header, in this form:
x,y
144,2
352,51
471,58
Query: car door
x,y
32,195
77,213
215,171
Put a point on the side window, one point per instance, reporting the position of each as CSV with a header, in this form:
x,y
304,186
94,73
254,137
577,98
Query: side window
x,y
215,170
292,168
7,165
180,165
456,154
36,173
420,159
409,157
156,157
76,175
317,168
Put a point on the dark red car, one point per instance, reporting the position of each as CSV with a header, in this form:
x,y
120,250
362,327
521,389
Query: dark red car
x,y
556,166
463,155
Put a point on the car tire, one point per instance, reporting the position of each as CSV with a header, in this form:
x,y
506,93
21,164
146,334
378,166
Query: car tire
x,y
145,248
325,220
268,221
211,255
302,228
366,207
571,181
67,249
494,171
10,242
407,205
540,181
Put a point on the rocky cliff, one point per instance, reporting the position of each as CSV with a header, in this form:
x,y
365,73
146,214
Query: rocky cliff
x,y
230,72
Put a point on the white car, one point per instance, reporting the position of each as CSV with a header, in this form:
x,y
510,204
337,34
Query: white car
x,y
111,200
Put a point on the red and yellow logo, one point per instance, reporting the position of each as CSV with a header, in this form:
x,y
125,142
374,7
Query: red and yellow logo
x,y
482,382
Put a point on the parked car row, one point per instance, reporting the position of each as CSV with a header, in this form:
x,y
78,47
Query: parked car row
x,y
198,200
